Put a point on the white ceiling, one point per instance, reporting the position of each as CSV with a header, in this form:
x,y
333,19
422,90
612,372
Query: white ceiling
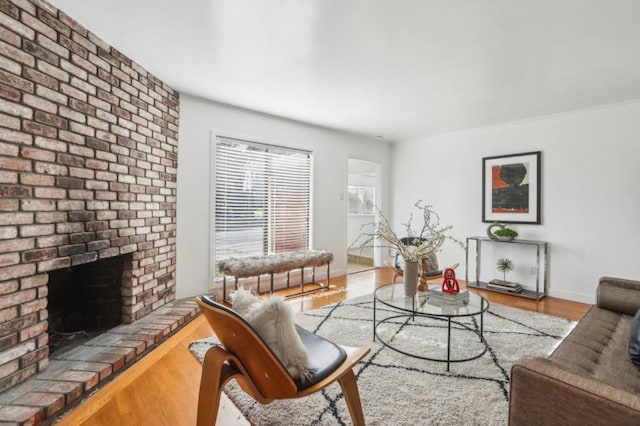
x,y
400,69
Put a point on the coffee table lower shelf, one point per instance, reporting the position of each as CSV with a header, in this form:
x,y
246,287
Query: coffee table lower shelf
x,y
449,321
417,308
527,294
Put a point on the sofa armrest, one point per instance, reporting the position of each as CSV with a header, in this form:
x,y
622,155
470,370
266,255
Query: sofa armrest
x,y
619,295
542,393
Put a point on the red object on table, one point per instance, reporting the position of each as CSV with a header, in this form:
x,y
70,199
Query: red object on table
x,y
450,283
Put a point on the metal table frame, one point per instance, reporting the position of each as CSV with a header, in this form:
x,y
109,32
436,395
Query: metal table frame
x,y
413,313
541,268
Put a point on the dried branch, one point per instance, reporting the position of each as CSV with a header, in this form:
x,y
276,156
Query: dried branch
x,y
430,237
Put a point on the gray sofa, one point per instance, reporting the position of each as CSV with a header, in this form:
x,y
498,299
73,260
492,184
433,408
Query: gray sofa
x,y
589,379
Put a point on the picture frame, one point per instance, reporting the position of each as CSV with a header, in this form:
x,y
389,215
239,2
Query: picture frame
x,y
511,187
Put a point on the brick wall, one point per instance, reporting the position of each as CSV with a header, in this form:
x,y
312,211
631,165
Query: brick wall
x,y
88,157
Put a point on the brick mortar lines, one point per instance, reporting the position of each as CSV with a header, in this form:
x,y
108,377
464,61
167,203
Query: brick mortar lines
x,y
88,160
74,375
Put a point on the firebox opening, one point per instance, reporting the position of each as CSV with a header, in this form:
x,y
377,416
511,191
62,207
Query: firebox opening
x,y
84,301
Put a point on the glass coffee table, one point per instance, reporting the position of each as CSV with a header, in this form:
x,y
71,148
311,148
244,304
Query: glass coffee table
x,y
411,310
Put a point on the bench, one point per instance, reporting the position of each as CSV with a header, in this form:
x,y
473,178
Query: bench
x,y
254,266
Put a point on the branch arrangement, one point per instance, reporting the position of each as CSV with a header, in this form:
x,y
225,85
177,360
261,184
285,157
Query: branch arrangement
x,y
429,238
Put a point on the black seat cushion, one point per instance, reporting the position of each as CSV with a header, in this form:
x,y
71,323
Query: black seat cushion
x,y
634,340
324,355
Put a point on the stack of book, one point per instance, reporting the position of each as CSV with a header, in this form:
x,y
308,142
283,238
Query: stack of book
x,y
436,297
505,286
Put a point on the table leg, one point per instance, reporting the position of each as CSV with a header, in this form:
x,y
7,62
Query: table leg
x,y
374,318
413,309
448,342
482,320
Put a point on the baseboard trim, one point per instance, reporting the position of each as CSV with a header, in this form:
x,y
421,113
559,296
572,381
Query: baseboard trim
x,y
362,260
575,297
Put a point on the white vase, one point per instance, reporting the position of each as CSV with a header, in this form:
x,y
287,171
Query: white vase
x,y
410,278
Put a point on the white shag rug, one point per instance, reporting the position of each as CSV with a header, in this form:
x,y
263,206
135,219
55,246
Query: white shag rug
x,y
396,389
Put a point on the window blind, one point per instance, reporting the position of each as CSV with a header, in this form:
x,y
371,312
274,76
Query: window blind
x,y
262,199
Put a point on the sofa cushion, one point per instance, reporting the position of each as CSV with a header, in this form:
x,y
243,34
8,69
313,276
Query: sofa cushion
x,y
598,348
634,340
619,295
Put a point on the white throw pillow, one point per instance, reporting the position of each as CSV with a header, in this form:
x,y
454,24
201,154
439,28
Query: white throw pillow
x,y
272,319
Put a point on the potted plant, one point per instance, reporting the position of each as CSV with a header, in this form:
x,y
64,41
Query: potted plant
x,y
502,232
413,245
505,233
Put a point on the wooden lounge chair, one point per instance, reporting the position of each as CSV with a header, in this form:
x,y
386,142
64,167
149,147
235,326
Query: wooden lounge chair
x,y
244,356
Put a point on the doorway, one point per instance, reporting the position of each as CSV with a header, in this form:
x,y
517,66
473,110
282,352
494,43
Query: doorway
x,y
362,203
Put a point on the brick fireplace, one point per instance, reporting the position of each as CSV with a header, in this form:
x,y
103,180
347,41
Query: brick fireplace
x,y
88,157
84,301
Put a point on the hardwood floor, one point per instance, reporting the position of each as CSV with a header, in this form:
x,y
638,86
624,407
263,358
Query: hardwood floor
x,y
162,389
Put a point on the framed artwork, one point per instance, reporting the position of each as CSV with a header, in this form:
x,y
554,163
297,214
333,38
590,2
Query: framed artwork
x,y
511,188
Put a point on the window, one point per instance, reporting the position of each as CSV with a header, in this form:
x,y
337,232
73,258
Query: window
x,y
361,200
262,199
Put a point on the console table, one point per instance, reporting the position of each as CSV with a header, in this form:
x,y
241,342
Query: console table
x,y
541,256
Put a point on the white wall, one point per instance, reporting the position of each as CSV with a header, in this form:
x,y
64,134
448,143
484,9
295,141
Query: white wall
x,y
356,226
331,149
590,190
